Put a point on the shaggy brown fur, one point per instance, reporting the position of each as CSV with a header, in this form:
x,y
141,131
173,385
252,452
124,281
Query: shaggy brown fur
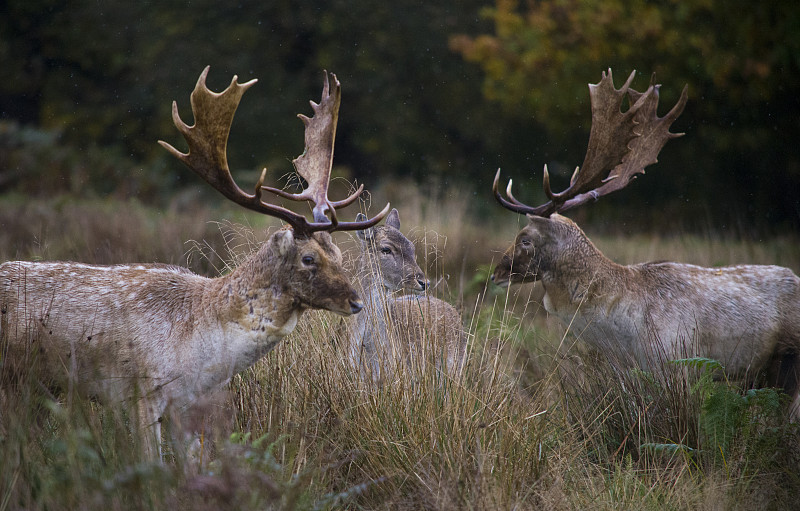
x,y
160,335
747,317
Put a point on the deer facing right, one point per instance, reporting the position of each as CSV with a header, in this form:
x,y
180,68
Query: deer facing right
x,y
158,337
397,326
747,317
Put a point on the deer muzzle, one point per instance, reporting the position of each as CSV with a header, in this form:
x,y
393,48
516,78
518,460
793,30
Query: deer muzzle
x,y
500,276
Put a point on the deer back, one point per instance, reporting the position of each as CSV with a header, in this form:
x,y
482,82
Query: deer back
x,y
432,330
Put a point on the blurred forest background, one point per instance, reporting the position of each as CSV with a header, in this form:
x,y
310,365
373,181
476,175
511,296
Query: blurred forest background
x,y
442,93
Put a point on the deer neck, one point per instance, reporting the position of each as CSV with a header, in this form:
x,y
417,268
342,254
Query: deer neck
x,y
261,293
253,309
372,320
579,275
371,281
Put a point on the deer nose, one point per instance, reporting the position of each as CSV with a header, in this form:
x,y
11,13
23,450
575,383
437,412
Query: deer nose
x,y
356,306
423,283
492,277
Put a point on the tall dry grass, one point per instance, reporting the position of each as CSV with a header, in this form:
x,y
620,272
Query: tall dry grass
x,y
535,420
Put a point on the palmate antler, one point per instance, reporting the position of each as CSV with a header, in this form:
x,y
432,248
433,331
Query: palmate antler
x,y
208,138
314,165
621,145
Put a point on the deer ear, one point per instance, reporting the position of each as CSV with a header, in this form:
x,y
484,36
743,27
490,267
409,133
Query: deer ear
x,y
393,219
364,234
538,221
544,226
283,241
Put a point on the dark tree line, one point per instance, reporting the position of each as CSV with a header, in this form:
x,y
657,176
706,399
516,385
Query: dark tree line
x,y
433,91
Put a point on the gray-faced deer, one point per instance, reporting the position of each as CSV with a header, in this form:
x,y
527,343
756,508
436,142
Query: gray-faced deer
x,y
746,317
396,326
156,336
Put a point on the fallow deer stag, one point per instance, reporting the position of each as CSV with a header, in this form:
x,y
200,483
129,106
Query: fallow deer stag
x,y
157,336
396,326
747,317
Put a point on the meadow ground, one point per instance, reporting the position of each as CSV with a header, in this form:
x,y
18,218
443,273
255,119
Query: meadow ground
x,y
534,420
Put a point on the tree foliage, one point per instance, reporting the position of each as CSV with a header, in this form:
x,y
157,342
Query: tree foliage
x,y
540,58
741,61
108,73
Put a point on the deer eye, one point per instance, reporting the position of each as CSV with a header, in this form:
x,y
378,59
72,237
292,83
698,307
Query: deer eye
x,y
386,250
526,242
308,260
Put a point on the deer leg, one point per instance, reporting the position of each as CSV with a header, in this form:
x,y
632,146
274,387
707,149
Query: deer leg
x,y
789,379
184,440
192,429
783,371
150,429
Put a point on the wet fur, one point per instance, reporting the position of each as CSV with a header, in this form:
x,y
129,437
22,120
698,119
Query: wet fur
x,y
747,317
155,335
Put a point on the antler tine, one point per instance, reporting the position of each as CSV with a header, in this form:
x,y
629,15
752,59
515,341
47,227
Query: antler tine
x,y
349,200
512,203
513,206
207,139
621,145
359,225
510,194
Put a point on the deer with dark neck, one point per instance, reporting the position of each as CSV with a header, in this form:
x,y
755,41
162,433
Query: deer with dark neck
x,y
747,317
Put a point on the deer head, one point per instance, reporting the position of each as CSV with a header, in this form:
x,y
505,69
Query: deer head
x,y
388,253
304,251
621,145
